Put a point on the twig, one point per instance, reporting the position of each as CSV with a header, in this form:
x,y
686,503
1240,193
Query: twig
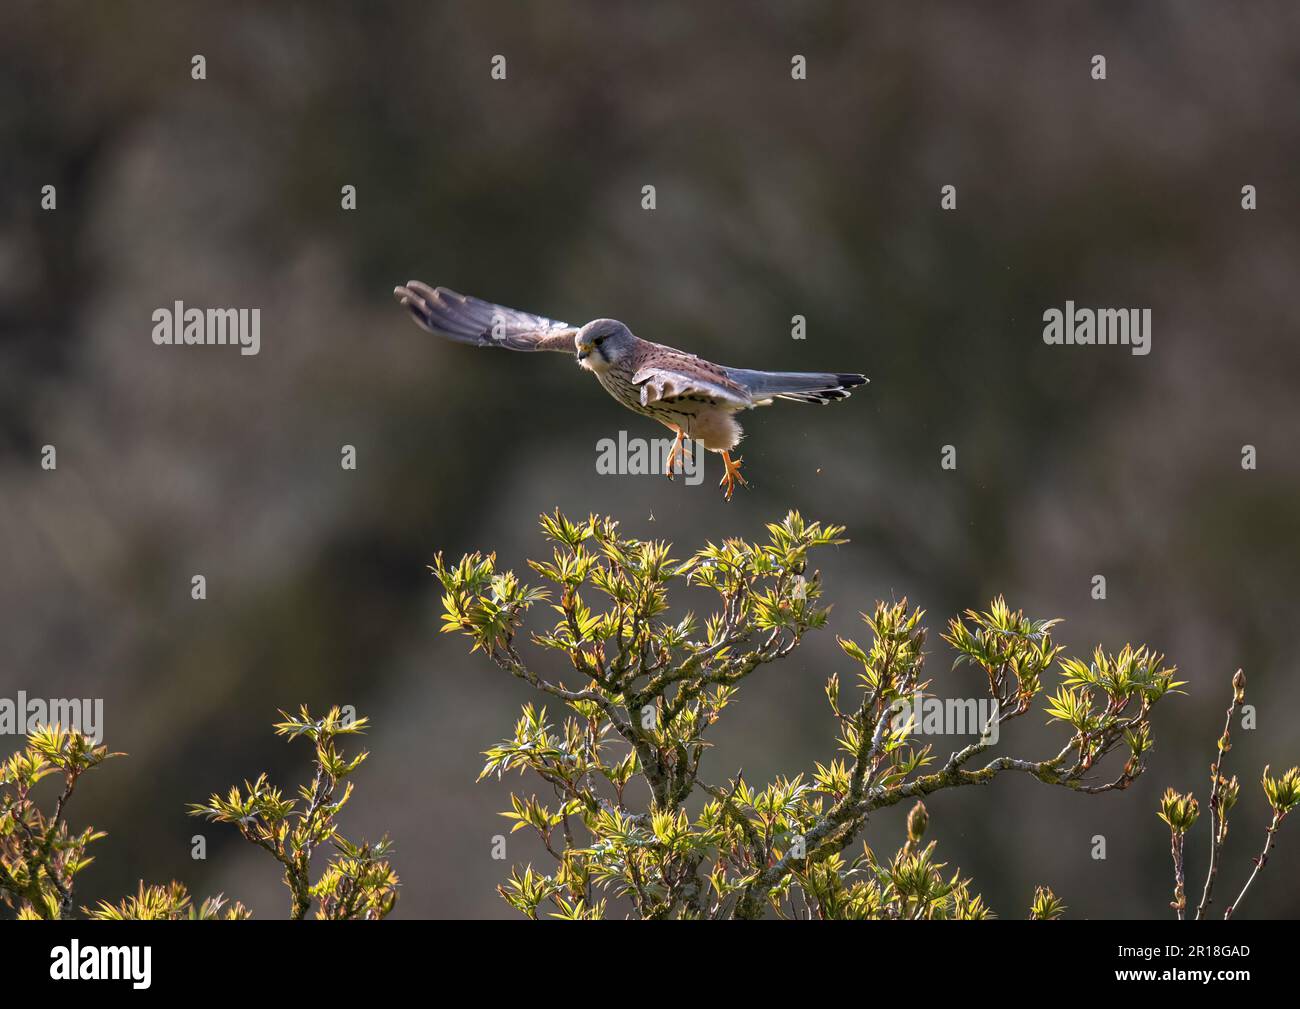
x,y
1260,861
1218,815
1180,893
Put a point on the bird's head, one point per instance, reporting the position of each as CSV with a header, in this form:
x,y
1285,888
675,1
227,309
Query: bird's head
x,y
600,343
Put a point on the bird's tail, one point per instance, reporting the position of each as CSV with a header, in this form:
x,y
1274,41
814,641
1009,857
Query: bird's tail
x,y
800,386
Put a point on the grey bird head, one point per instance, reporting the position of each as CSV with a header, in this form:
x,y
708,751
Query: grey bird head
x,y
602,342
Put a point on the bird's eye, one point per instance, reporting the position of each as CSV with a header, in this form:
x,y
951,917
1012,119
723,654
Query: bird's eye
x,y
599,340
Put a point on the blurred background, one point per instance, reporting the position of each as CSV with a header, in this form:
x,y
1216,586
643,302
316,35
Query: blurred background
x,y
775,198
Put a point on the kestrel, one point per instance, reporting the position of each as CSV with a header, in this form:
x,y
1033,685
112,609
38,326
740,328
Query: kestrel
x,y
694,398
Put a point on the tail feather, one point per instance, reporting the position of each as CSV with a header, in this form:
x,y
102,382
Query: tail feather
x,y
799,386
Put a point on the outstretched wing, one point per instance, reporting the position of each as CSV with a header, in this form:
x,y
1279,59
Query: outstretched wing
x,y
481,323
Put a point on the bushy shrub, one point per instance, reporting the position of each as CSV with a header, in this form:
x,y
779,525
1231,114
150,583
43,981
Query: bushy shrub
x,y
40,855
647,685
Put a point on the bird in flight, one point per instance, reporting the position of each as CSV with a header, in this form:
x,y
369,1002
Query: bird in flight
x,y
694,398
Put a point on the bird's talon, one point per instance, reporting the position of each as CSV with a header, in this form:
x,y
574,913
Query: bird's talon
x,y
731,475
674,453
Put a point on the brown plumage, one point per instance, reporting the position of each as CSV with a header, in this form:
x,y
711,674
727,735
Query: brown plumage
x,y
695,398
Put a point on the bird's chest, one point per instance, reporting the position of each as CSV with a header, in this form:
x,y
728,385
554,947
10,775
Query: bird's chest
x,y
618,383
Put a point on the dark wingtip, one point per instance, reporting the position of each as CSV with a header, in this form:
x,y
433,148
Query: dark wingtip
x,y
416,302
849,381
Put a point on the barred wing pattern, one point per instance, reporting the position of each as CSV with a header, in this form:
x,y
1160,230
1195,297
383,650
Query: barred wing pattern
x,y
682,377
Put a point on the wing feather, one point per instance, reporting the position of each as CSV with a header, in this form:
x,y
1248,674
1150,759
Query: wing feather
x,y
683,377
480,323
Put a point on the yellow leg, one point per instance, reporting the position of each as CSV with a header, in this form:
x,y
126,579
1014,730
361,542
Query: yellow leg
x,y
731,474
675,451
